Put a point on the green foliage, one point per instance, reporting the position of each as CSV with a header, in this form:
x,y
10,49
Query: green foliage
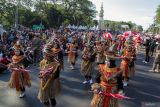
x,y
32,12
6,13
116,25
51,14
155,28
157,17
140,28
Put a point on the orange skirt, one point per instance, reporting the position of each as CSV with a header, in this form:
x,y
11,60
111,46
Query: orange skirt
x,y
19,79
71,57
125,68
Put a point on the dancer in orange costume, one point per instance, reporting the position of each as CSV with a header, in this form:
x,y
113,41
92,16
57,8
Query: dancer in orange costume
x,y
72,53
100,53
127,57
107,82
19,77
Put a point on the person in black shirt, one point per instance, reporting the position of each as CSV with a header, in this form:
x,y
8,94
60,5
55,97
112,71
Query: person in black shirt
x,y
147,49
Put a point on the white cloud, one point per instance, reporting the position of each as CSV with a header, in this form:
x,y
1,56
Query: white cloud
x,y
140,12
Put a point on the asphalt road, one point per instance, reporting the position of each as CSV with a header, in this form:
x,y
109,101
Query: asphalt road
x,y
144,88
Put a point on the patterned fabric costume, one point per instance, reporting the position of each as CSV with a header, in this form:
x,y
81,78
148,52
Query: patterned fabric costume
x,y
87,64
126,62
49,83
58,52
72,48
19,77
49,74
108,84
100,53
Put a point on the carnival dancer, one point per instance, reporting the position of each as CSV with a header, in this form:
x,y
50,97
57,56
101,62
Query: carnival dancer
x,y
87,65
58,52
72,53
132,62
20,76
106,84
49,78
127,57
100,53
120,44
138,43
106,45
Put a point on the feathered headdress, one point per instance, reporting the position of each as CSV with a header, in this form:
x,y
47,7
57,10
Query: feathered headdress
x,y
17,46
48,50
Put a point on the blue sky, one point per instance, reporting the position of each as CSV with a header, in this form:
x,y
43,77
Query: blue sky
x,y
140,12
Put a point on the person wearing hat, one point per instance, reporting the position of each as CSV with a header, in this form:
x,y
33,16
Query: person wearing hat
x,y
19,77
132,62
112,57
72,53
138,43
18,45
87,65
156,63
127,58
121,41
49,78
100,52
58,52
106,83
131,49
106,45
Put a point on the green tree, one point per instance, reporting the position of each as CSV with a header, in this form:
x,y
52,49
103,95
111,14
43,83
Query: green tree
x,y
157,17
25,3
7,13
139,28
78,12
